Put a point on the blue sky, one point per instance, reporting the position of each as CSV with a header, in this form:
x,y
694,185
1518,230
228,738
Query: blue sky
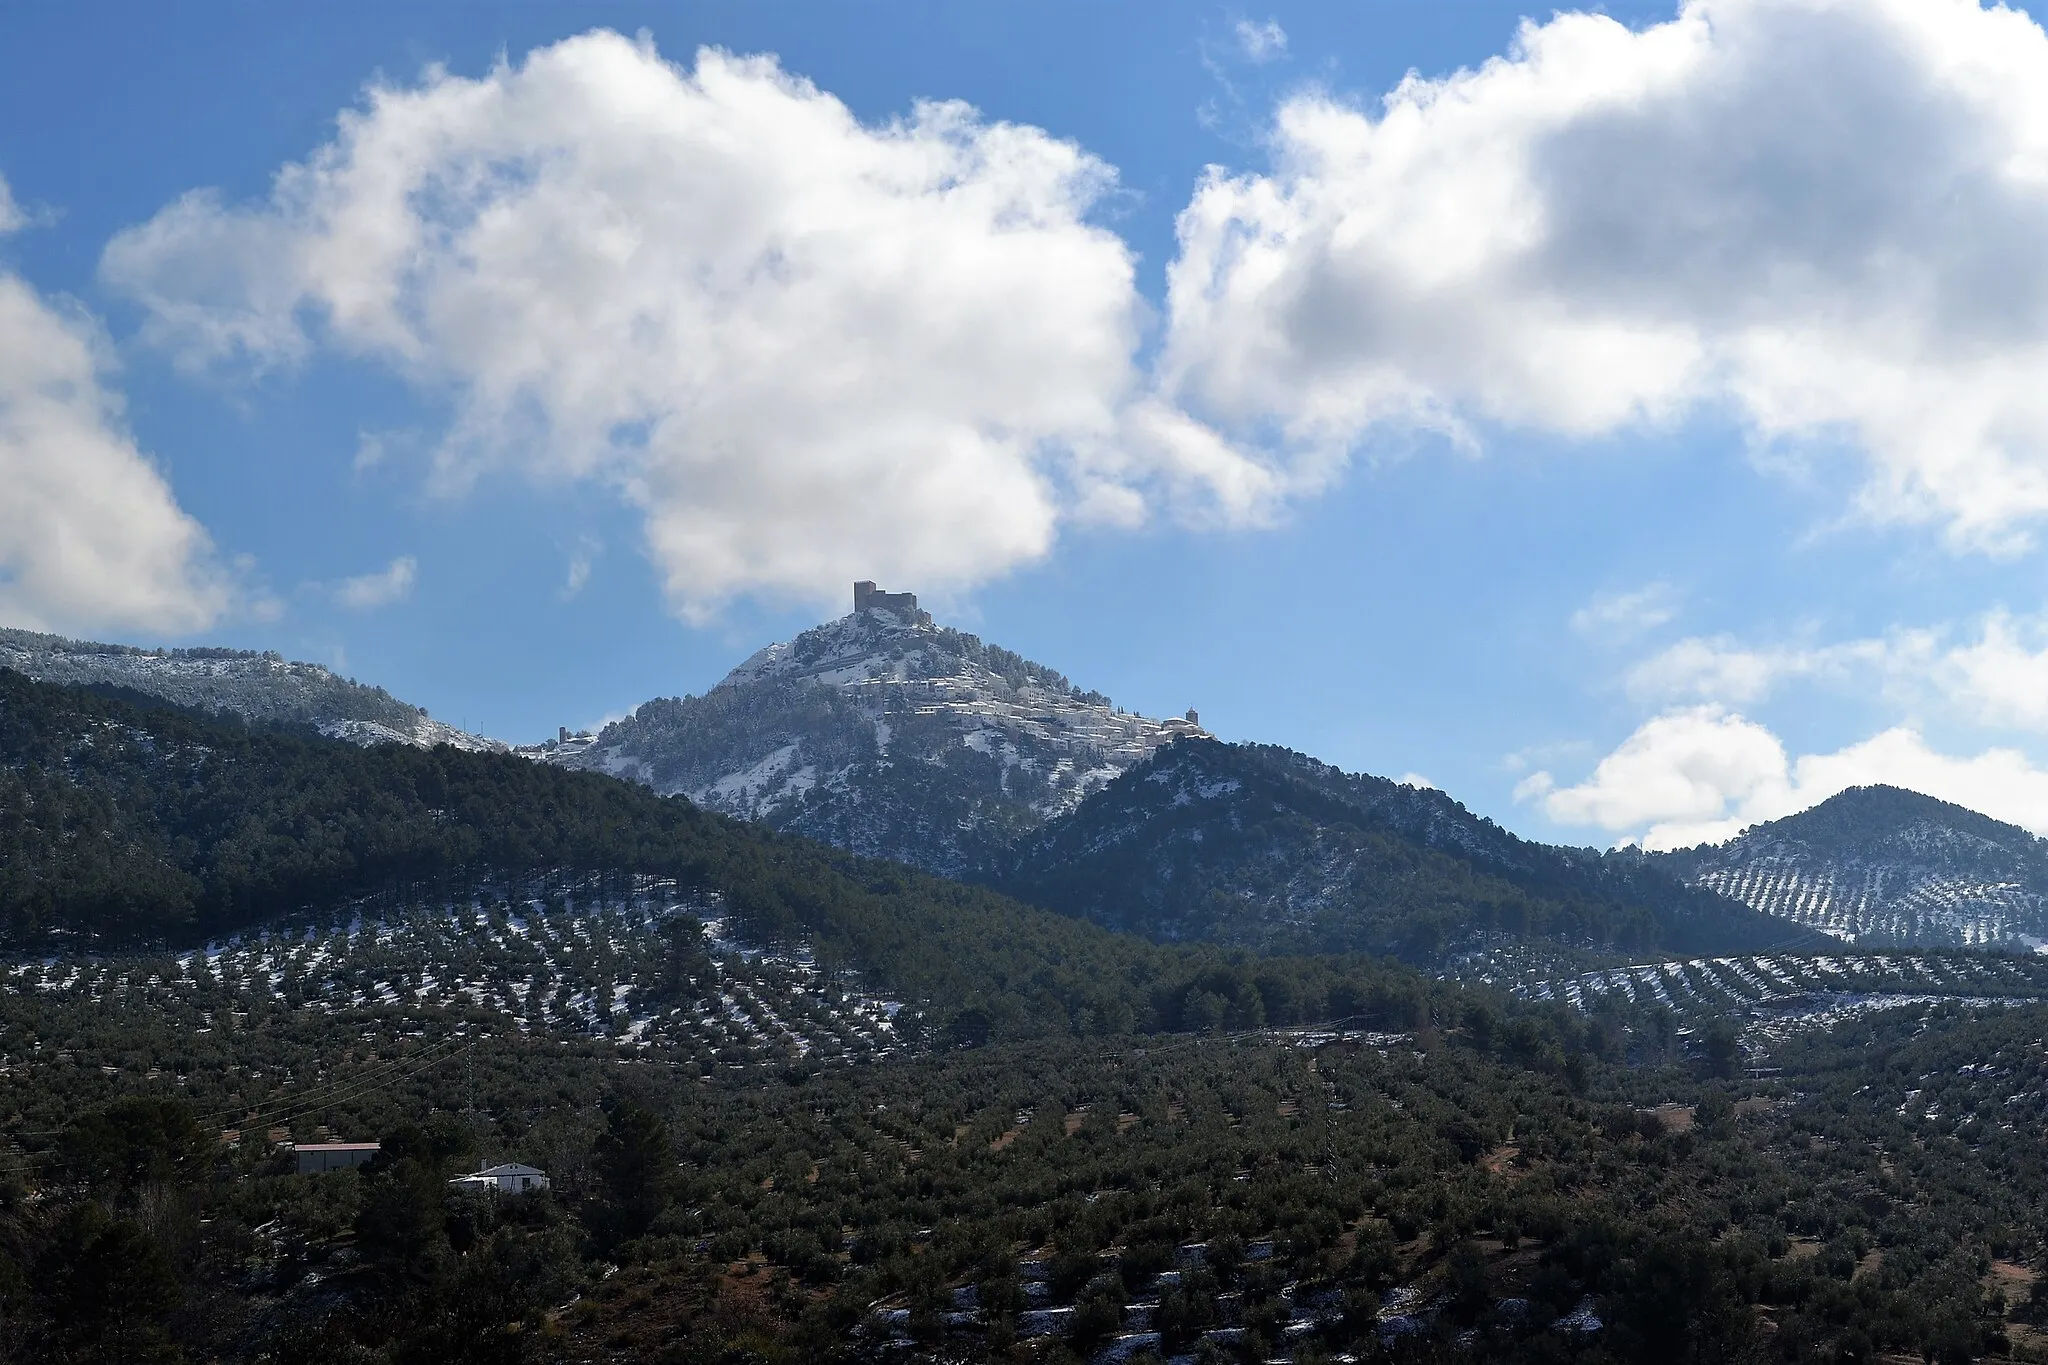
x,y
1636,436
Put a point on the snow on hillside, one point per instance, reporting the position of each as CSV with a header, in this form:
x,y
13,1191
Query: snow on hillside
x,y
577,962
1778,995
882,732
1881,866
1884,903
259,687
423,732
1002,706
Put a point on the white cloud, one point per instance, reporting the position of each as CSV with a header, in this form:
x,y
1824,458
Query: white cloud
x,y
1261,42
91,537
1680,772
1621,614
373,448
808,349
1702,774
2003,674
393,583
1826,215
12,219
1416,780
1716,669
1721,669
581,561
1995,677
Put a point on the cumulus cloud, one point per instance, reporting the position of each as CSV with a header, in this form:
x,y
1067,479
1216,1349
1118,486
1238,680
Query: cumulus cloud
x,y
1722,669
1703,774
393,583
1994,674
807,348
2002,674
91,537
1703,771
1827,216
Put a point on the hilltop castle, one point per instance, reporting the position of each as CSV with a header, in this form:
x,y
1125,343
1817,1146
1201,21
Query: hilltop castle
x,y
903,604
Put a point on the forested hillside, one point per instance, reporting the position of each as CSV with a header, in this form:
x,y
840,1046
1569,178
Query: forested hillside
x,y
125,825
1263,847
1480,1189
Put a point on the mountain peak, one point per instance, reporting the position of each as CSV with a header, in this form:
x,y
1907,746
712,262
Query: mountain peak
x,y
1885,865
884,732
903,605
842,651
1856,811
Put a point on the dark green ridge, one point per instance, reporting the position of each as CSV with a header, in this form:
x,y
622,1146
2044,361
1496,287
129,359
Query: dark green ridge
x,y
126,826
1262,847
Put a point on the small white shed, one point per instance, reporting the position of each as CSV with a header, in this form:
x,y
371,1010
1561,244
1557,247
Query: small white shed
x,y
508,1178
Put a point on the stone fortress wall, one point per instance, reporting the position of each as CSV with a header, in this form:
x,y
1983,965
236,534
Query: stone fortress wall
x,y
903,604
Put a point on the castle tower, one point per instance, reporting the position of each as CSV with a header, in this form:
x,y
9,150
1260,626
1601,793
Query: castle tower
x,y
903,604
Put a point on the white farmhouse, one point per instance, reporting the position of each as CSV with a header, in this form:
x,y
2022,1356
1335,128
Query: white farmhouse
x,y
507,1178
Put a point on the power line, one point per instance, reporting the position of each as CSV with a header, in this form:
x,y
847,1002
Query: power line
x,y
380,1066
293,1110
383,1071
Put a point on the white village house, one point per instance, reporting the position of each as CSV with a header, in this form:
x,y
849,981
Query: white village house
x,y
507,1178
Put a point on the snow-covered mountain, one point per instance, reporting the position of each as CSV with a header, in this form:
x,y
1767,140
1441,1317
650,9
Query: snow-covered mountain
x,y
1880,866
883,733
261,687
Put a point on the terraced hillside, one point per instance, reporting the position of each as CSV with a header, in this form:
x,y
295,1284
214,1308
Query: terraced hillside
x,y
1883,904
1722,983
1878,866
1770,999
658,968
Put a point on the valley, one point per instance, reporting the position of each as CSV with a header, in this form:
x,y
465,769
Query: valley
x,y
900,1000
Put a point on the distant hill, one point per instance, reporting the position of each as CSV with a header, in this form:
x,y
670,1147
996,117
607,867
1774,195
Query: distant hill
x,y
1269,849
260,687
882,733
1880,866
